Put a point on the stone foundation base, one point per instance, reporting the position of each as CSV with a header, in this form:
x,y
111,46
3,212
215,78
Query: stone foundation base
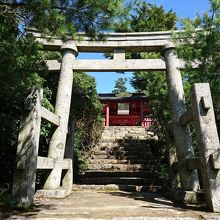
x,y
188,197
115,187
56,193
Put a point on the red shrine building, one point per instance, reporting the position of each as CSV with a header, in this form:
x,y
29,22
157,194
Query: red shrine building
x,y
132,110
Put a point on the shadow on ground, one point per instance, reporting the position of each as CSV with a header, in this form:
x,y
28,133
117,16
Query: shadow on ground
x,y
158,200
7,212
105,205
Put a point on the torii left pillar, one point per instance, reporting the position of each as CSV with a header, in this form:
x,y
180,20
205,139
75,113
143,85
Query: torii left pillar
x,y
62,109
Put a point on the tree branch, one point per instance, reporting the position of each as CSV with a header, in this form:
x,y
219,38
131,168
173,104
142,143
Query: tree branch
x,y
12,4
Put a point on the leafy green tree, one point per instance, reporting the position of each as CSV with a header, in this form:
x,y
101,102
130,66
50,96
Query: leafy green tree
x,y
63,17
19,66
120,90
120,86
204,30
21,62
146,17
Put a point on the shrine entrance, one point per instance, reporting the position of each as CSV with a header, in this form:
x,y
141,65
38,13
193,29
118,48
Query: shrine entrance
x,y
130,110
59,158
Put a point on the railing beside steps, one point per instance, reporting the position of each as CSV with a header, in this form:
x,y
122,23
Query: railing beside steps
x,y
28,160
201,115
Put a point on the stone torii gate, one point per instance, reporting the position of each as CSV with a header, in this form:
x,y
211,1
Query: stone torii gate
x,y
118,44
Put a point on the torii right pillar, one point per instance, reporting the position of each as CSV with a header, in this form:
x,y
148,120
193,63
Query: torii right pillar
x,y
188,179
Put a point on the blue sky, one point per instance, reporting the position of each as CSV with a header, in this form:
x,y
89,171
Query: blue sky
x,y
183,8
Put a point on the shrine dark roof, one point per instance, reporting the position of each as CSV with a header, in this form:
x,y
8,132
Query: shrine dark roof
x,y
130,97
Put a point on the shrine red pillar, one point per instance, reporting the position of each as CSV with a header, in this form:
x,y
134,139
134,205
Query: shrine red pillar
x,y
142,112
107,115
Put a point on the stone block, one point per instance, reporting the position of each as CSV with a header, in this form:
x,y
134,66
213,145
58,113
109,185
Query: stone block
x,y
188,197
57,193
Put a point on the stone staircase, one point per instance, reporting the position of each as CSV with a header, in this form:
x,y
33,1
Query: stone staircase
x,y
123,159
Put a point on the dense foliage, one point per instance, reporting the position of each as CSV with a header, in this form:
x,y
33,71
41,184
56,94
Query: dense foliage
x,y
63,17
20,62
22,67
203,51
86,113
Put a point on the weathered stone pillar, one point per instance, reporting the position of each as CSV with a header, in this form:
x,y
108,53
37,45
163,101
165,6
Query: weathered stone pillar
x,y
208,143
62,109
27,151
182,139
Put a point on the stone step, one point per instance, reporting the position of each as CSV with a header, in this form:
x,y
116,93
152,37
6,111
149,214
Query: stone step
x,y
123,167
115,187
133,149
124,141
124,128
124,146
122,180
122,156
106,156
123,132
123,161
128,137
104,173
125,154
123,149
130,144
